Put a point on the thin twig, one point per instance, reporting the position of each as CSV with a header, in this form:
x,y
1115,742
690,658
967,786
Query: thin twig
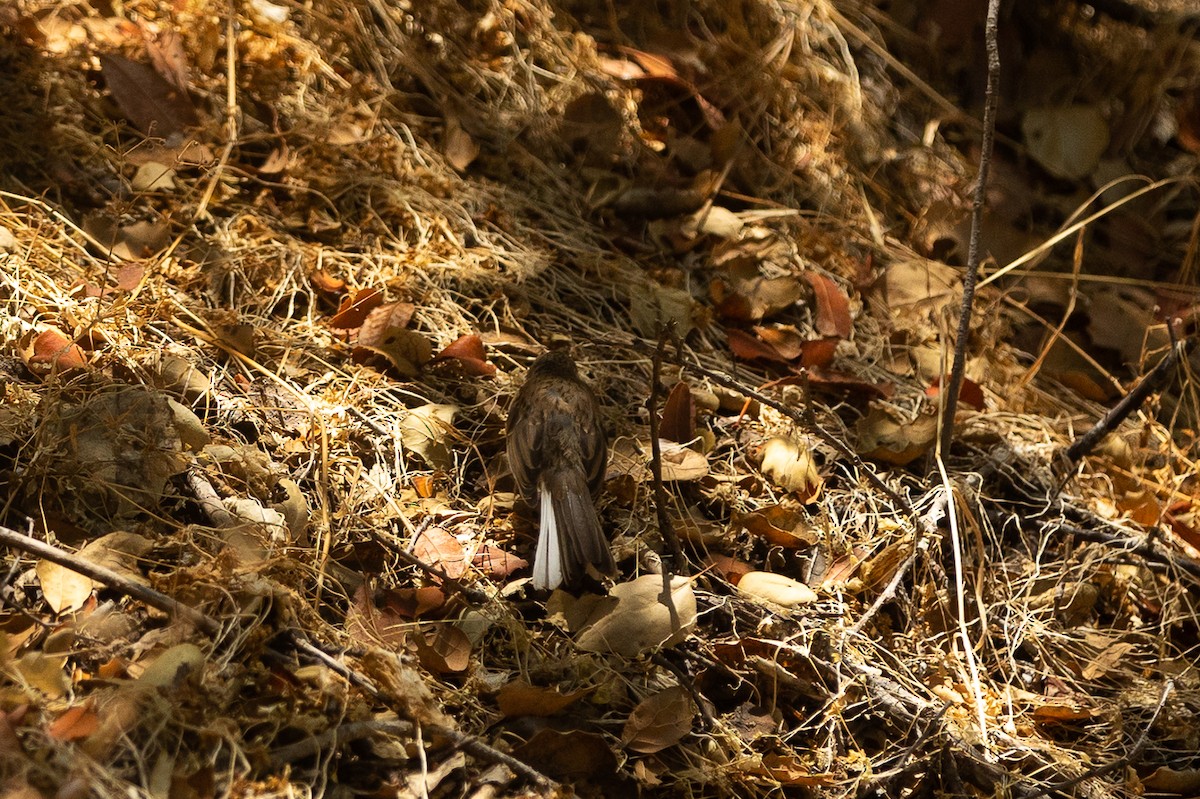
x,y
111,579
467,743
801,419
954,385
1135,754
1128,404
665,528
469,593
336,737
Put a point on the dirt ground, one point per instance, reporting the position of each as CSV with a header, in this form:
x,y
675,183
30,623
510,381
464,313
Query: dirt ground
x,y
272,273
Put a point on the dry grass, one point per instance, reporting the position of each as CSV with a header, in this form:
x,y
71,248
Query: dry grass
x,y
1043,624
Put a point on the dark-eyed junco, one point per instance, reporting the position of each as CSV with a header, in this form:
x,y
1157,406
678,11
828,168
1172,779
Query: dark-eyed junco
x,y
557,450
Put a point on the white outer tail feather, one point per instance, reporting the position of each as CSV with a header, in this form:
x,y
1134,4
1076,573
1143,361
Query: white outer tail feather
x,y
547,561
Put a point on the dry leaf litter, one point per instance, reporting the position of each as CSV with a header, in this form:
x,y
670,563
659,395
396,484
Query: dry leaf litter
x,y
273,271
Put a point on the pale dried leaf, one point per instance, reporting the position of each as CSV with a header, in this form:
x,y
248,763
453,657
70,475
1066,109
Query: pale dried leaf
x,y
641,620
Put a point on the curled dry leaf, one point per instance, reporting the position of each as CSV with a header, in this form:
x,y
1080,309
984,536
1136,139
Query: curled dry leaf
x,y
779,526
405,351
883,438
775,589
467,351
425,431
519,698
182,378
791,467
52,352
642,619
660,720
755,299
192,433
353,311
460,149
679,414
833,306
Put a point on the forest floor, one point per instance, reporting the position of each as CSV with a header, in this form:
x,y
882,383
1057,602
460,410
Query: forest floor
x,y
273,272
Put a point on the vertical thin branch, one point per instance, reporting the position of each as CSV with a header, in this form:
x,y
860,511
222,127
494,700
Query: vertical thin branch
x,y
952,387
665,528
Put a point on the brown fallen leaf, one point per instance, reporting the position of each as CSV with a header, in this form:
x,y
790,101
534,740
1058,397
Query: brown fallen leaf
x,y
52,352
660,720
437,547
679,414
404,351
519,698
497,563
353,312
571,756
748,348
756,298
833,306
885,438
468,353
779,526
147,99
446,650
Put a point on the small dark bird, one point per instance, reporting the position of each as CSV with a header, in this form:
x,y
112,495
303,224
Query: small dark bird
x,y
557,451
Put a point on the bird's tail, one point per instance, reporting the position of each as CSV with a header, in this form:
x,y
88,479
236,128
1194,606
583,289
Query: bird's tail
x,y
569,535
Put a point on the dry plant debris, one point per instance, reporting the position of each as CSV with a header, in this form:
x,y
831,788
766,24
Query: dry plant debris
x,y
272,272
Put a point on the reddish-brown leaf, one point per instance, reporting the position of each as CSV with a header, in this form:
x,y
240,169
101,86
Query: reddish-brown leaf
x,y
412,603
76,723
748,348
679,415
495,562
436,547
818,353
468,352
326,283
354,310
833,306
970,393
729,568
53,352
